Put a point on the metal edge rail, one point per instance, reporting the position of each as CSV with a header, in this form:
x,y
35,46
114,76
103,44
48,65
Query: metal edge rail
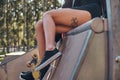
x,y
48,61
97,25
81,56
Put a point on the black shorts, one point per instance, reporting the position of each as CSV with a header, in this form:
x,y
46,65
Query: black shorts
x,y
93,8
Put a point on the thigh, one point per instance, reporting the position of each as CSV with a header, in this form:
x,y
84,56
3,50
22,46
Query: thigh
x,y
70,17
62,28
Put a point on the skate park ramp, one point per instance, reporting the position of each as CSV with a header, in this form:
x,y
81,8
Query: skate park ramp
x,y
84,51
12,65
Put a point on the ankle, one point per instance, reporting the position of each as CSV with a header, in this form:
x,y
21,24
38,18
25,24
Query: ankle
x,y
50,48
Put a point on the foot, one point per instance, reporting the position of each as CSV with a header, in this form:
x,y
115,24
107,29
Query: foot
x,y
26,76
48,54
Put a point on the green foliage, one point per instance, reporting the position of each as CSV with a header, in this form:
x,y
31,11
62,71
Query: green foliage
x,y
2,53
17,20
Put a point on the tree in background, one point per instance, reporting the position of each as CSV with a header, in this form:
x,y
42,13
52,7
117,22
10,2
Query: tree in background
x,y
17,20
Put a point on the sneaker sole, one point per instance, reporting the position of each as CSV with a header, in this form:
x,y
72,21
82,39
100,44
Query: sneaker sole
x,y
21,78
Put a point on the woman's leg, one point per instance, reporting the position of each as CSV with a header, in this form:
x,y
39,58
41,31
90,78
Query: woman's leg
x,y
57,21
39,35
68,17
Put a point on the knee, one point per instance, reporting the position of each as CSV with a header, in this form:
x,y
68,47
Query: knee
x,y
38,25
48,13
38,28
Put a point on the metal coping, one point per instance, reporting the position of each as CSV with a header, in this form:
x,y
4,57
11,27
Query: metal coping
x,y
81,56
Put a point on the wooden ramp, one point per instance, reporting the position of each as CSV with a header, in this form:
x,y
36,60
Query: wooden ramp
x,y
84,52
11,67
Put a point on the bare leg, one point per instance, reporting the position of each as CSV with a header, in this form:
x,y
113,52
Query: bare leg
x,y
49,28
69,17
39,35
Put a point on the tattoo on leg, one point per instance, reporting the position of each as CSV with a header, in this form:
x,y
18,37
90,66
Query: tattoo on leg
x,y
74,22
